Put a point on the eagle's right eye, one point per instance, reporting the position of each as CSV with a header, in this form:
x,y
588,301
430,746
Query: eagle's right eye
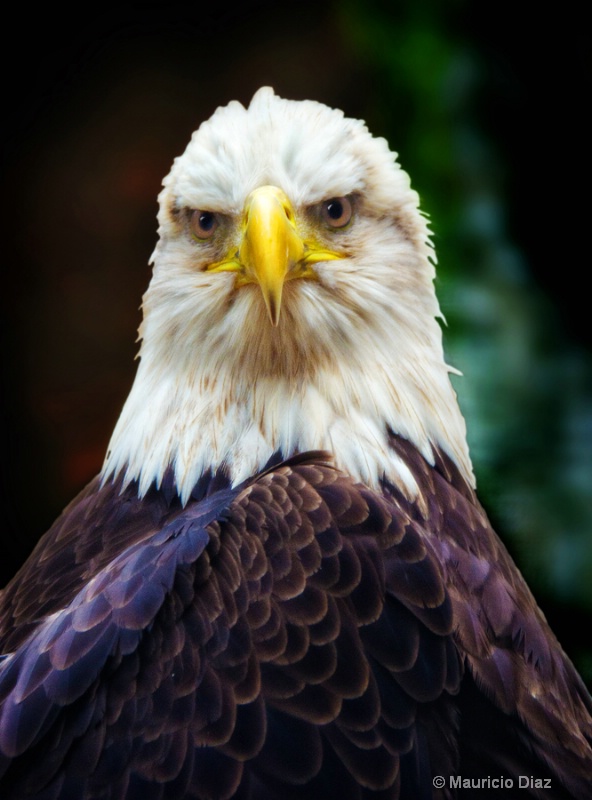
x,y
203,224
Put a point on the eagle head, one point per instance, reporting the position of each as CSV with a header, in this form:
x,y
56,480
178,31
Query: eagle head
x,y
291,308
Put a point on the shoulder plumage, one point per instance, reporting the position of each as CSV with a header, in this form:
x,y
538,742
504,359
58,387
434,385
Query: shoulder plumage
x,y
272,609
519,685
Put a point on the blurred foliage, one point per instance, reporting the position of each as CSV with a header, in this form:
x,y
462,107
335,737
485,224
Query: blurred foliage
x,y
527,394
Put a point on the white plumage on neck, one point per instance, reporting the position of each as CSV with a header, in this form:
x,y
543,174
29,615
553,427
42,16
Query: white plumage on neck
x,y
356,353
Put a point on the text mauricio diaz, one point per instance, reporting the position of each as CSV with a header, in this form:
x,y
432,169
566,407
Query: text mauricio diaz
x,y
523,782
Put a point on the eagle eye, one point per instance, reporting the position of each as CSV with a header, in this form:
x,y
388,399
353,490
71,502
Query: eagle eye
x,y
203,224
337,212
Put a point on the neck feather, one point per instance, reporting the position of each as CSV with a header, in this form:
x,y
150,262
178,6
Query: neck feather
x,y
192,423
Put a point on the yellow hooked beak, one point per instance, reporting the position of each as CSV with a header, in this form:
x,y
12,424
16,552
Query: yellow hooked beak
x,y
271,251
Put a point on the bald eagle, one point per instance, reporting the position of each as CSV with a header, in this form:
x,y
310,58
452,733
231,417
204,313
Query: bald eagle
x,y
282,584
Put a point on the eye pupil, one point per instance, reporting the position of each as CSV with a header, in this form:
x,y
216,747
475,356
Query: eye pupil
x,y
206,221
203,223
337,212
335,209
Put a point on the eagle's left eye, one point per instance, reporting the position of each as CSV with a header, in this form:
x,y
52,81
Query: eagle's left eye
x,y
203,224
337,211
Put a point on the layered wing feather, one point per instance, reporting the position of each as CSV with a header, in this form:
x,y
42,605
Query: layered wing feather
x,y
299,636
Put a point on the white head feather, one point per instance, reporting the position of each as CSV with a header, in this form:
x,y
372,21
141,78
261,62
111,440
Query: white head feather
x,y
356,353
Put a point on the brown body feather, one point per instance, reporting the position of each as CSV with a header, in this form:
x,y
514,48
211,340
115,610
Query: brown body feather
x,y
298,636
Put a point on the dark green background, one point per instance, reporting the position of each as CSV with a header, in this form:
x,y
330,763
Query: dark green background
x,y
486,110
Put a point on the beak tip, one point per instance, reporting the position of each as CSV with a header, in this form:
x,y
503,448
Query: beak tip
x,y
273,309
